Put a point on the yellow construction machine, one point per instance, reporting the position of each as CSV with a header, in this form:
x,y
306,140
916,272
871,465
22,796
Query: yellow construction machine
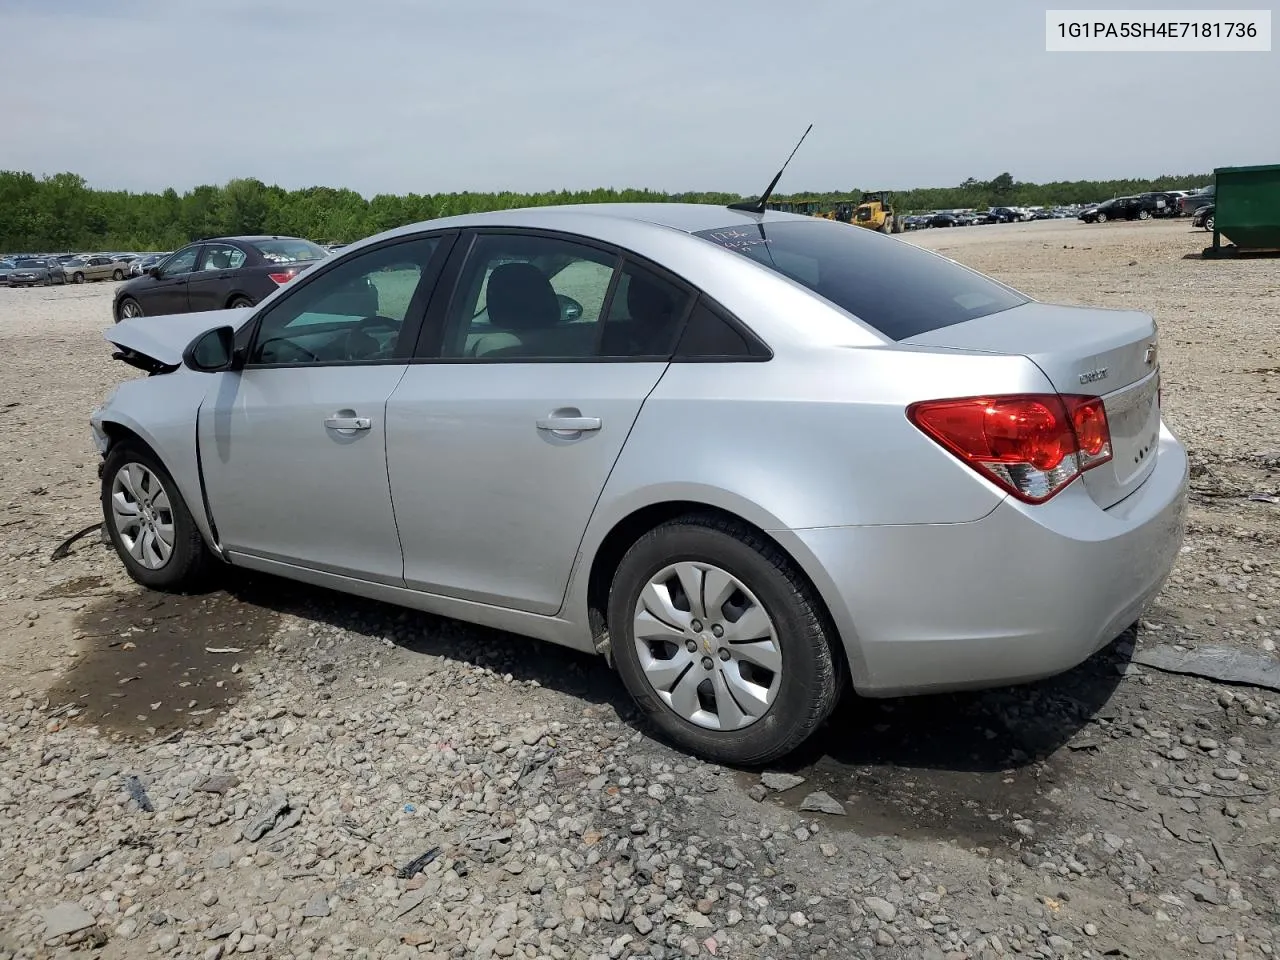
x,y
875,212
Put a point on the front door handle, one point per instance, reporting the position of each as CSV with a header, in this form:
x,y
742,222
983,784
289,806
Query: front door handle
x,y
348,423
569,425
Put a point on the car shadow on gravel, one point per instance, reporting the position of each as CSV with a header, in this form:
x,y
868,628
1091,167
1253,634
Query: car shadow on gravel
x,y
958,766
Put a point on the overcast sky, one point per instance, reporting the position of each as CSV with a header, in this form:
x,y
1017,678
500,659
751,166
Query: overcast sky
x,y
440,95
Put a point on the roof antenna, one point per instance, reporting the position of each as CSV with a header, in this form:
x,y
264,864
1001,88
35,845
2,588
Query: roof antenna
x,y
759,206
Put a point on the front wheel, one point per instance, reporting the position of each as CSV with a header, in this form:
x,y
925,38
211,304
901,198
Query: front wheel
x,y
148,521
78,277
238,302
1102,218
128,309
117,275
1144,214
722,642
1208,223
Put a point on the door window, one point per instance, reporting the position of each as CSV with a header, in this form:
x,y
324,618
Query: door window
x,y
528,297
221,256
181,262
644,315
352,313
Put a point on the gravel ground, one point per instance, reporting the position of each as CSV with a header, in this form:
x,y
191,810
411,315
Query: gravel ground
x,y
256,770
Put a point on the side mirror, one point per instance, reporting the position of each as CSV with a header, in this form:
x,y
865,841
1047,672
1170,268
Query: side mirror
x,y
570,309
153,273
212,351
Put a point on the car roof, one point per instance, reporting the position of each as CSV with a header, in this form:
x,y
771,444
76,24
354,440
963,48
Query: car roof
x,y
684,217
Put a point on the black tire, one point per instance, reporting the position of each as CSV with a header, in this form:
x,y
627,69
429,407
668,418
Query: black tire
x,y
120,308
1208,223
189,563
1144,214
117,275
813,677
237,302
78,277
1100,218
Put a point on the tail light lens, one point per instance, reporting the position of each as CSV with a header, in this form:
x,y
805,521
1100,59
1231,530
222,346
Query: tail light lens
x,y
281,277
1032,445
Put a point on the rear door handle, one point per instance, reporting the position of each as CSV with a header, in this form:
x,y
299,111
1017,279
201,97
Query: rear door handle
x,y
569,424
348,423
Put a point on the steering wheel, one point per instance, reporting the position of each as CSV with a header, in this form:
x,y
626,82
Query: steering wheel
x,y
378,322
296,346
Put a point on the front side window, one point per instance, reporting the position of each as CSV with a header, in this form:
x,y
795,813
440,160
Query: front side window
x,y
524,297
352,313
895,287
222,256
183,261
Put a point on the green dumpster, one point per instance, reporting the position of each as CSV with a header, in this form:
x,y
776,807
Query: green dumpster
x,y
1247,210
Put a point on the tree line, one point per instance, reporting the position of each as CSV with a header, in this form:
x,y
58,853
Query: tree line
x,y
61,212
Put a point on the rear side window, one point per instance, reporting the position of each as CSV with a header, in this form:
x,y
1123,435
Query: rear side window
x,y
289,250
895,287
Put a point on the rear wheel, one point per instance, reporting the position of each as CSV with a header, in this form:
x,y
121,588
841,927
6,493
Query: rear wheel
x,y
238,302
78,277
722,642
1102,218
1208,222
148,522
1144,214
117,275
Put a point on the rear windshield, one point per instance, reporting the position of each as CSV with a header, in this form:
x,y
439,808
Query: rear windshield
x,y
31,263
289,251
893,286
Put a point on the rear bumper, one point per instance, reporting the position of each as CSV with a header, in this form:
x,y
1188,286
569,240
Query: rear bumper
x,y
1024,593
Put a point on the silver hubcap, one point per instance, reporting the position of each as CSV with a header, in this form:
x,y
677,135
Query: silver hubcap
x,y
142,516
131,309
707,646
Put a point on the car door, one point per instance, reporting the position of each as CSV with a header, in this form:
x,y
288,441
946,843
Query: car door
x,y
502,434
167,291
210,283
293,445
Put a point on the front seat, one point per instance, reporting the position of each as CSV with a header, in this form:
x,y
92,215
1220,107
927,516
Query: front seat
x,y
521,302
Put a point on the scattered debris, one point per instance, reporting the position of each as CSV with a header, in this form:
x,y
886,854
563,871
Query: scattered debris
x,y
64,548
415,865
276,806
778,782
1222,664
822,802
139,794
65,918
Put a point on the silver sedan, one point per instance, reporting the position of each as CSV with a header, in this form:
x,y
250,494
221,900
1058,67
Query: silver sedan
x,y
751,458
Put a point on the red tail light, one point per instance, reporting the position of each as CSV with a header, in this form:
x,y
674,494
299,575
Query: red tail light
x,y
1031,445
283,276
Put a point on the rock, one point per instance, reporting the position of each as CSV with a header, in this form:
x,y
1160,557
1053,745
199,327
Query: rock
x,y
1090,929
275,805
642,924
779,782
882,908
822,802
1227,773
317,906
219,783
66,917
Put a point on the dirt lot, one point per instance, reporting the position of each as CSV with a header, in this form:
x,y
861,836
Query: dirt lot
x,y
248,770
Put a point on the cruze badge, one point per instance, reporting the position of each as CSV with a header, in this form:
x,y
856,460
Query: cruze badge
x,y
1093,376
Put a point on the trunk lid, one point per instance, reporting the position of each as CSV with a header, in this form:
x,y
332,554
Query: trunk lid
x,y
1090,351
163,339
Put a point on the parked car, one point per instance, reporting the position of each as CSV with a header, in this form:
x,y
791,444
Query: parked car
x,y
1121,208
36,271
944,220
142,264
6,266
1201,198
98,266
488,417
1006,214
225,272
1203,217
983,216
